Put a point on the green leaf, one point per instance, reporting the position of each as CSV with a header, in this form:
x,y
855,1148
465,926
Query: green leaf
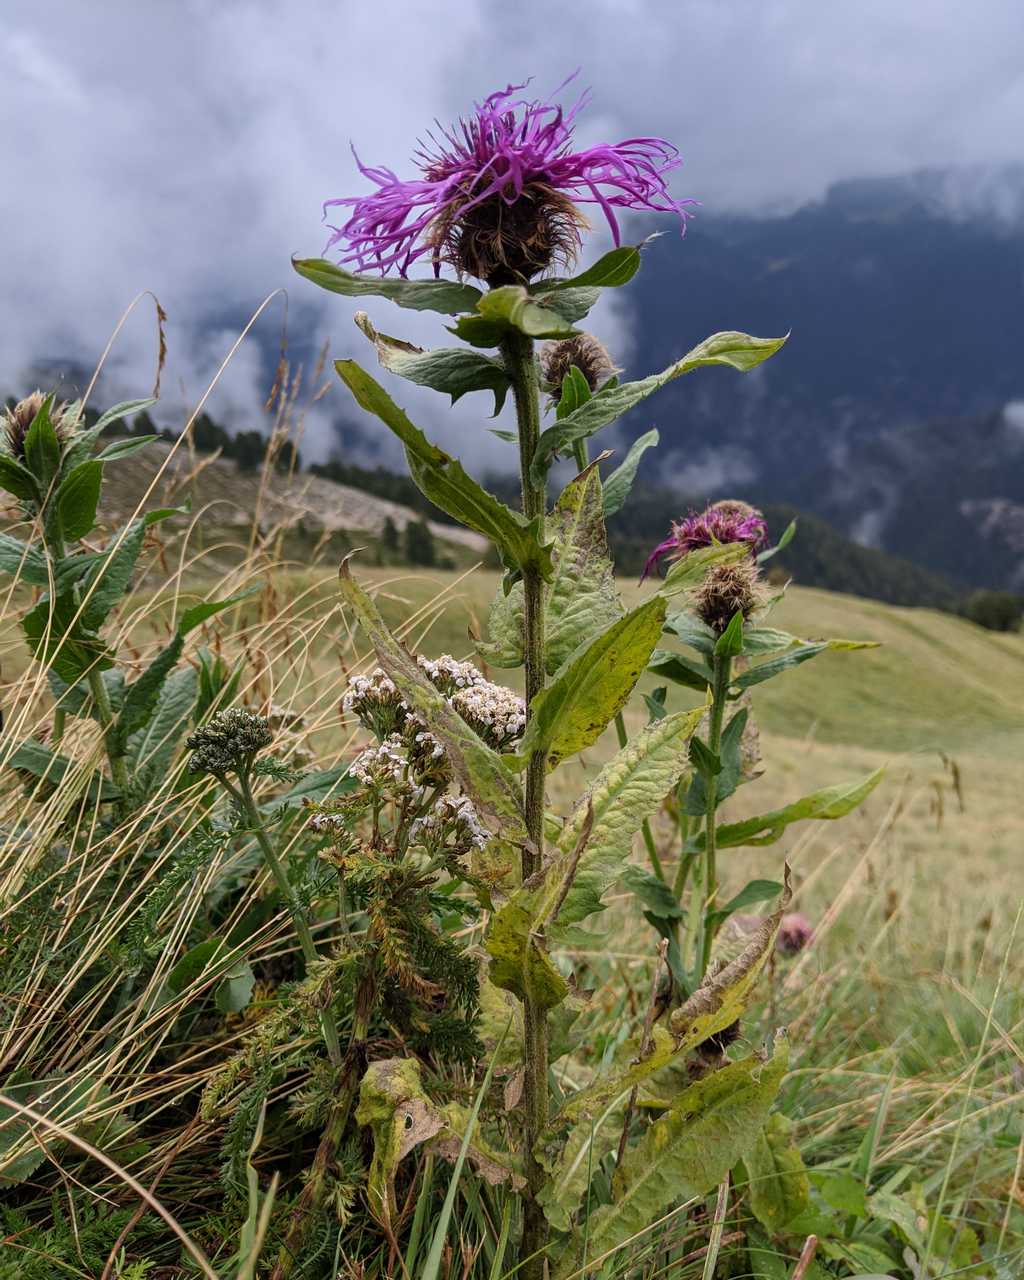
x,y
779,1188
512,306
737,350
615,268
77,498
24,1143
235,990
194,963
575,390
686,1152
653,893
58,639
801,651
82,444
840,1190
730,770
442,479
480,770
479,332
39,760
825,805
77,700
620,482
753,891
581,598
730,642
42,448
453,370
446,296
17,480
151,750
110,574
587,1145
570,303
23,561
628,789
124,448
680,670
519,962
574,710
321,784
781,545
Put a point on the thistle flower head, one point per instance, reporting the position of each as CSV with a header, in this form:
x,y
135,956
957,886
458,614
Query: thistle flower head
x,y
16,422
499,192
583,352
795,932
727,521
726,589
229,742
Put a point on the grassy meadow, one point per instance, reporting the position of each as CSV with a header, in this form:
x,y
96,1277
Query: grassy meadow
x,y
905,1014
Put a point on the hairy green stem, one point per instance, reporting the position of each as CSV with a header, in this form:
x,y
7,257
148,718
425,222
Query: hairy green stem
x,y
719,695
517,353
248,803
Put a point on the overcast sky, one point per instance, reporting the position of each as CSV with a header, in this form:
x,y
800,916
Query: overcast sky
x,y
186,147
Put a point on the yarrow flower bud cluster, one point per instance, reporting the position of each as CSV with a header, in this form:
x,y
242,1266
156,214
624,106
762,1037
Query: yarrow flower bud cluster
x,y
229,742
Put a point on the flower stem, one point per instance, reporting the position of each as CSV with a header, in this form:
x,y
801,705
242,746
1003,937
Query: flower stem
x,y
719,694
517,352
248,804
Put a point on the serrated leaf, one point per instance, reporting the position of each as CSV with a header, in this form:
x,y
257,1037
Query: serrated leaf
x,y
737,350
77,699
778,1186
513,306
77,498
443,480
593,686
825,805
626,791
110,573
479,769
618,485
23,561
686,1152
453,370
446,296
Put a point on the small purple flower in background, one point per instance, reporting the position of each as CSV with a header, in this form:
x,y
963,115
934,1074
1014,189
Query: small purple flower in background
x,y
499,193
795,933
727,521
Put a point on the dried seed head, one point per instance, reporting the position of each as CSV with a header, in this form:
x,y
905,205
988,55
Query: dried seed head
x,y
726,589
716,1044
585,353
228,742
503,243
17,421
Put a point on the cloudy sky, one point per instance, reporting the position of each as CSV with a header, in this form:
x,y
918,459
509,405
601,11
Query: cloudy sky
x,y
186,147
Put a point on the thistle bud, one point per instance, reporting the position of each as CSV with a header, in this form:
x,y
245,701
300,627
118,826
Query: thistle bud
x,y
229,742
17,421
726,589
585,353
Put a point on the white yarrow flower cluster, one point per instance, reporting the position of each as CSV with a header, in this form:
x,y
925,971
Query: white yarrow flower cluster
x,y
497,714
449,674
452,821
383,765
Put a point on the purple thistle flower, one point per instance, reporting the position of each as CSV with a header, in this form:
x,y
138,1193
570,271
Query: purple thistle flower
x,y
720,522
499,192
